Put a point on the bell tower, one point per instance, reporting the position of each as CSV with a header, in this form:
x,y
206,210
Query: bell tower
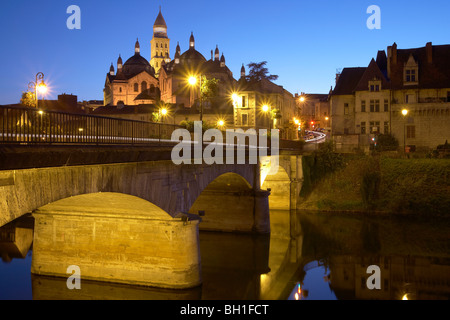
x,y
160,43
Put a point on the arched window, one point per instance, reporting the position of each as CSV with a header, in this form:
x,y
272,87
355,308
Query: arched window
x,y
166,45
143,86
136,87
157,45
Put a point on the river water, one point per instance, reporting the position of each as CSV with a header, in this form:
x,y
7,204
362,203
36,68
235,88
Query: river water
x,y
308,256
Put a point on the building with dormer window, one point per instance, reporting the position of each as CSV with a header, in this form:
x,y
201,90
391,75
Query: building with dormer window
x,y
369,101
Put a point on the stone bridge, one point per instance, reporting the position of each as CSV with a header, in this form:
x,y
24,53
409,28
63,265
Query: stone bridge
x,y
32,178
132,216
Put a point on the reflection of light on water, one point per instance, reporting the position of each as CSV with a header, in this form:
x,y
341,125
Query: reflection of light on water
x,y
315,284
296,294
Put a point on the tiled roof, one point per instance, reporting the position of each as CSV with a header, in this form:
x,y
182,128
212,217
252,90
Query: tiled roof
x,y
348,80
431,75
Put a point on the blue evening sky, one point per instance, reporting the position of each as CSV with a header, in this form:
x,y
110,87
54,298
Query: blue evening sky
x,y
304,42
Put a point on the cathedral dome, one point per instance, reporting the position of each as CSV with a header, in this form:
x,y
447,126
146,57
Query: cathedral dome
x,y
137,64
192,57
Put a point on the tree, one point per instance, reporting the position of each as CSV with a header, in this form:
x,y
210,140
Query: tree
x,y
258,71
28,99
210,88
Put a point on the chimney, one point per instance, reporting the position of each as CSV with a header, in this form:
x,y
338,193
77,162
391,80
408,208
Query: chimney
x,y
429,49
394,53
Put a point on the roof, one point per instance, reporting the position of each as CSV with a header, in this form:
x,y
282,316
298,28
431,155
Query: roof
x,y
372,72
160,22
135,65
348,80
264,86
431,75
140,109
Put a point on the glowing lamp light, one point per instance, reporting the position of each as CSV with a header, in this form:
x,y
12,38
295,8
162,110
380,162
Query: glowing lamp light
x,y
220,123
164,111
80,129
41,112
42,88
234,96
405,297
296,296
296,121
192,80
404,112
265,108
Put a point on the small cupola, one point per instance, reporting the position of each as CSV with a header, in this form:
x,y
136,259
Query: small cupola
x,y
119,63
137,48
222,61
216,54
192,41
242,71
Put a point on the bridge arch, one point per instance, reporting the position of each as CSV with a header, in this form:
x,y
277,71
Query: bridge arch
x,y
115,237
226,204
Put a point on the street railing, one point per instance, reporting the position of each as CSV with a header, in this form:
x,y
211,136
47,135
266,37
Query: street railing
x,y
28,125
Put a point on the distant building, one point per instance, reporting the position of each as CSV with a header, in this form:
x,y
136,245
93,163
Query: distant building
x,y
314,109
163,82
135,82
369,101
65,103
249,107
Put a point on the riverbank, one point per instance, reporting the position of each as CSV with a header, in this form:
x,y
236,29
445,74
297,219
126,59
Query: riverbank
x,y
383,185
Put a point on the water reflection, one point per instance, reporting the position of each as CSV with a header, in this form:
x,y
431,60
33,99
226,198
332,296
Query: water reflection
x,y
16,238
307,256
412,253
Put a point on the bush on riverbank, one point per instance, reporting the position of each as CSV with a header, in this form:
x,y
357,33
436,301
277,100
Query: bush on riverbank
x,y
322,162
384,184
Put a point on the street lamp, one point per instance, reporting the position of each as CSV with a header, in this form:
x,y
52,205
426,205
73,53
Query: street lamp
x,y
404,113
193,81
37,86
266,109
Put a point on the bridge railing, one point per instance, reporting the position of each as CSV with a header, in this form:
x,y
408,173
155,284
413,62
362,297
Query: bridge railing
x,y
28,125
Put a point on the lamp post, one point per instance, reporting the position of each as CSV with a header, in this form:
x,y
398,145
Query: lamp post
x,y
38,86
193,81
404,113
266,110
162,114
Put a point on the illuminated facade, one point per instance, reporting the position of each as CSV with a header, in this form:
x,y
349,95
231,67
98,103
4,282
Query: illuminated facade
x,y
369,101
